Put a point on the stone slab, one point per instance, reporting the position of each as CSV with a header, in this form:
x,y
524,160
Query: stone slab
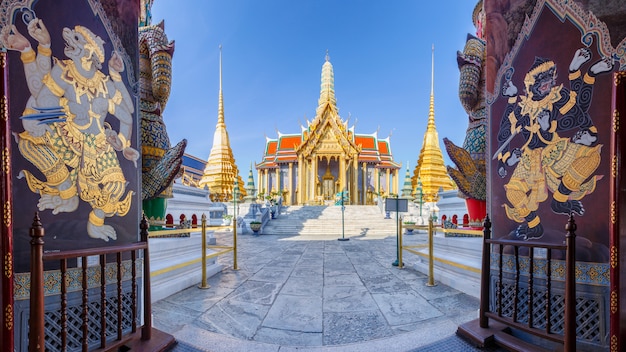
x,y
288,338
238,319
295,313
351,327
257,292
405,307
348,299
350,279
385,284
272,274
303,286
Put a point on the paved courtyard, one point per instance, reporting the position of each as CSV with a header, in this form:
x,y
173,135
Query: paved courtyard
x,y
316,294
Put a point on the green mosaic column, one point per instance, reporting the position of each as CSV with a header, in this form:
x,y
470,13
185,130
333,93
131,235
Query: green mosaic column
x,y
155,212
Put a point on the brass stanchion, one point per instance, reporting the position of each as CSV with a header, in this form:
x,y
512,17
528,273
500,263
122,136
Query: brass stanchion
x,y
204,283
431,275
235,244
400,263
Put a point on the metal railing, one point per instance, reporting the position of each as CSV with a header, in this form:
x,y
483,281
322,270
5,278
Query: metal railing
x,y
431,230
218,250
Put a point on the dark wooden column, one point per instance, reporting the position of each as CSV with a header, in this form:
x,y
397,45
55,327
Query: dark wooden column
x,y
36,332
617,233
146,332
484,275
570,286
7,318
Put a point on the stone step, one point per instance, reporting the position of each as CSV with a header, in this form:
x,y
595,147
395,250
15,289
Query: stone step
x,y
327,220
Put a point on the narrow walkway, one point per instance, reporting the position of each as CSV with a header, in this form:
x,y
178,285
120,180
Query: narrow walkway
x,y
316,295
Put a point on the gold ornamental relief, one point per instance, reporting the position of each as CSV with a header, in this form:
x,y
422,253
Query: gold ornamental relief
x,y
8,317
613,302
613,211
8,265
7,214
615,121
6,164
4,108
614,166
613,257
329,147
614,344
618,77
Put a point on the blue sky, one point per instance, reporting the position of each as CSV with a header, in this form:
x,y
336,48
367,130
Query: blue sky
x,y
273,51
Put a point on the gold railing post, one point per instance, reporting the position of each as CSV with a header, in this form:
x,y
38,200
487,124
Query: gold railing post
x,y
204,282
431,274
235,244
400,264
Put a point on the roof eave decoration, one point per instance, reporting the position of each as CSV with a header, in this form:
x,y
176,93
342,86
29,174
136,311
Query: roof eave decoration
x,y
327,119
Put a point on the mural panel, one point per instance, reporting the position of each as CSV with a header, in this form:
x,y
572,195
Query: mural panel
x,y
72,113
551,129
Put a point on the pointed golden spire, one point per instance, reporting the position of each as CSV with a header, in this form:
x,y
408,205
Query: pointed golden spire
x,y
431,108
220,104
327,89
221,173
430,168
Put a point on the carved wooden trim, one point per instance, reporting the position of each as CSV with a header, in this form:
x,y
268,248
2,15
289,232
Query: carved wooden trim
x,y
613,301
4,108
8,265
613,213
6,161
7,214
8,317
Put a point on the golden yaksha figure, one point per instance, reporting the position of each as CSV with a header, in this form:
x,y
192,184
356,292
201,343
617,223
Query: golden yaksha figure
x,y
66,136
547,162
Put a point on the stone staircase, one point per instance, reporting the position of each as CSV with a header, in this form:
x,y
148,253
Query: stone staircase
x,y
325,221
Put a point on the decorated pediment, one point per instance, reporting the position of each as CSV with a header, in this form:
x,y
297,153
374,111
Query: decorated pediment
x,y
327,134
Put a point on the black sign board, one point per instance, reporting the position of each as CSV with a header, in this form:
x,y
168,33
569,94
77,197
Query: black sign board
x,y
397,204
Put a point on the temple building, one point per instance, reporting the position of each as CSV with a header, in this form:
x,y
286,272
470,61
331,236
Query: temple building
x,y
430,170
327,157
221,172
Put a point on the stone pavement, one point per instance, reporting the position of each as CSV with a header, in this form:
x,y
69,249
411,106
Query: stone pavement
x,y
295,293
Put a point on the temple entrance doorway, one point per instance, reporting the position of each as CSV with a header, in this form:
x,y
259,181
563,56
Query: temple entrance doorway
x,y
329,179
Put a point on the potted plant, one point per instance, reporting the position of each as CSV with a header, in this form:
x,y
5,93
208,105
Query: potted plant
x,y
226,219
255,226
409,226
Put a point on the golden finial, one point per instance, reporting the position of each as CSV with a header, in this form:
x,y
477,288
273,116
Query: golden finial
x,y
220,108
431,112
220,67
